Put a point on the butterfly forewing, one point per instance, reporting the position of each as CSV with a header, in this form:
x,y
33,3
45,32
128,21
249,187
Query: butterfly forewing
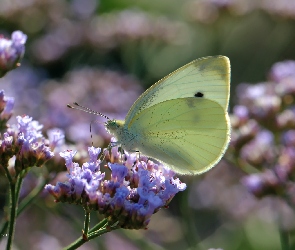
x,y
209,76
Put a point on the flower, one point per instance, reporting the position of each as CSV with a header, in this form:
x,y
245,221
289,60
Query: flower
x,y
282,70
56,137
11,51
6,109
27,143
129,198
263,135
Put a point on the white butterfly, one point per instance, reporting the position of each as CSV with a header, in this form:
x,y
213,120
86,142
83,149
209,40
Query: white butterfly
x,y
182,119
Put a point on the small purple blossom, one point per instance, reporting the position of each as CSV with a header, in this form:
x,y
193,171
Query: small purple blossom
x,y
7,112
26,142
6,109
241,112
118,172
282,70
68,156
129,198
56,137
19,38
11,51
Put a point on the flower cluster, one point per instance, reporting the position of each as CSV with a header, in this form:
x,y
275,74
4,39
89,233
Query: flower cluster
x,y
263,136
209,10
11,51
24,140
136,189
106,32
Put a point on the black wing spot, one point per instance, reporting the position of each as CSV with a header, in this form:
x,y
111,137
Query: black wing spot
x,y
199,94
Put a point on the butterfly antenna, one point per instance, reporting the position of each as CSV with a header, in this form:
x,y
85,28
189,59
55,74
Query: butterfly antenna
x,y
90,129
87,110
90,111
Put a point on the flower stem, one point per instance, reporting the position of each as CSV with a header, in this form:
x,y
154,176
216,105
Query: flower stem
x,y
18,185
14,195
79,242
25,202
99,225
101,232
284,238
97,230
86,222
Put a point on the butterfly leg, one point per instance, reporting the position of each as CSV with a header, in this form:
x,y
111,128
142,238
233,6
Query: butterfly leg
x,y
120,151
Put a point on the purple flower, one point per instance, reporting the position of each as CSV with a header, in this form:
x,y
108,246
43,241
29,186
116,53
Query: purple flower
x,y
288,138
68,156
282,70
241,112
19,38
129,198
7,112
93,153
11,51
56,137
119,172
263,183
26,142
6,108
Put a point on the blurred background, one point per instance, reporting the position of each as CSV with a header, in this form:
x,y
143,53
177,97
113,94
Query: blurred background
x,y
103,55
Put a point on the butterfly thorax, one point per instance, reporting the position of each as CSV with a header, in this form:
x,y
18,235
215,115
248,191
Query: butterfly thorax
x,y
125,138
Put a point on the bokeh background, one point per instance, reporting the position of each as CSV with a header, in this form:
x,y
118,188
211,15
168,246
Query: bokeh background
x,y
103,55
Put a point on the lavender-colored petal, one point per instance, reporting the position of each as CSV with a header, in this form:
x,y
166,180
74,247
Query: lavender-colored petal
x,y
68,155
56,137
118,172
93,153
11,51
18,37
241,112
282,70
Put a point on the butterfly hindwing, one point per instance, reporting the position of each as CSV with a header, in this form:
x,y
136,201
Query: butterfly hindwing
x,y
188,134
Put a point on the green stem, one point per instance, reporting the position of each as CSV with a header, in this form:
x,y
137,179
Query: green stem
x,y
3,229
101,232
7,174
284,239
12,216
79,242
25,202
284,235
5,223
86,222
18,185
14,192
98,226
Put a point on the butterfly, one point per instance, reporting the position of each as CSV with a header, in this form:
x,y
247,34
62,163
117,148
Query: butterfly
x,y
182,120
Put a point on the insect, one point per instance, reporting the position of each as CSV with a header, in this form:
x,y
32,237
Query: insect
x,y
182,120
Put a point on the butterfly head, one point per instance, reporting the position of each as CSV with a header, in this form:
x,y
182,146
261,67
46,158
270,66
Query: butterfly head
x,y
114,126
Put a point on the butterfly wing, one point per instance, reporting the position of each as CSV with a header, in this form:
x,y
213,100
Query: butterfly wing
x,y
189,134
209,76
